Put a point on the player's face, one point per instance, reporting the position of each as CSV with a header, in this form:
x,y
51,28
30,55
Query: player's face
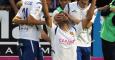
x,y
59,18
63,3
83,3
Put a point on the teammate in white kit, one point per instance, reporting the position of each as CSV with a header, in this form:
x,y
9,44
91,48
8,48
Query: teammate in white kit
x,y
63,34
79,10
29,19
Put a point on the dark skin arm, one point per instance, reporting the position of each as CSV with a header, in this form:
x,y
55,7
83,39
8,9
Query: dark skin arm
x,y
30,21
103,8
46,13
17,20
89,24
33,21
44,36
90,14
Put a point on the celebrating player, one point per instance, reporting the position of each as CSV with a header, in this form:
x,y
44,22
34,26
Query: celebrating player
x,y
29,19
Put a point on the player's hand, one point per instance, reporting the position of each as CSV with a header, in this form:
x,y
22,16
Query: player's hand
x,y
60,17
67,16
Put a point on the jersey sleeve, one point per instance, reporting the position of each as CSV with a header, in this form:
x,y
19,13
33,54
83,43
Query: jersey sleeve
x,y
36,10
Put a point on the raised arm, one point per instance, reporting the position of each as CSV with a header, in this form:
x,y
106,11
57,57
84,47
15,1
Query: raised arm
x,y
46,13
103,8
89,15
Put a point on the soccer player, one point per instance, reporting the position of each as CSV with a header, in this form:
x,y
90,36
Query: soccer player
x,y
64,41
79,10
29,19
63,37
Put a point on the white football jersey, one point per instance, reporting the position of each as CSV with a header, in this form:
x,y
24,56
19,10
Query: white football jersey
x,y
84,39
64,43
33,8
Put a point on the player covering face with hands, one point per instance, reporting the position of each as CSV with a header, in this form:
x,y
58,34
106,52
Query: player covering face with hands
x,y
64,34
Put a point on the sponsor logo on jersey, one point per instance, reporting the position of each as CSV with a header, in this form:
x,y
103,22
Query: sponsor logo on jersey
x,y
66,41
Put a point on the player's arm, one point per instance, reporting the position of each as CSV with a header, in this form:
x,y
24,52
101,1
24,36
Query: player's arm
x,y
103,8
89,24
46,13
33,21
19,21
13,4
92,21
44,36
29,21
89,15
